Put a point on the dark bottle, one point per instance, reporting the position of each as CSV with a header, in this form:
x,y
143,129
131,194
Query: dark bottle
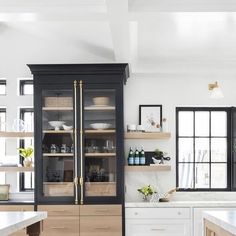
x,y
136,157
131,157
142,157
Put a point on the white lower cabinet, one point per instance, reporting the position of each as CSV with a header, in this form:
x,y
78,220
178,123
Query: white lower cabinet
x,y
158,222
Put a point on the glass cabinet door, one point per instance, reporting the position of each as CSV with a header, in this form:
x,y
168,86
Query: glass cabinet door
x,y
100,143
57,143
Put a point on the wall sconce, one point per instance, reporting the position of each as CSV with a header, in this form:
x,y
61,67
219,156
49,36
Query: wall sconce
x,y
215,90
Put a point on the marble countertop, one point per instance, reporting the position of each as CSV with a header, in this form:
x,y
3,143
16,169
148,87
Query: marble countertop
x,y
13,221
225,219
181,204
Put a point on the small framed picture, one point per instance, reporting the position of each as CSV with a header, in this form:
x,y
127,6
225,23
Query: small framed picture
x,y
150,117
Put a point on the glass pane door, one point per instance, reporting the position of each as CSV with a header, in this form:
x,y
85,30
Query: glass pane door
x,y
57,143
100,142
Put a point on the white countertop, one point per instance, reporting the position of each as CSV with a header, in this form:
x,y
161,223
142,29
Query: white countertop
x,y
225,219
11,222
181,204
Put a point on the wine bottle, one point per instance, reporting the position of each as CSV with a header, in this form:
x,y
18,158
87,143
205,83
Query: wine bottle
x,y
136,157
131,157
142,157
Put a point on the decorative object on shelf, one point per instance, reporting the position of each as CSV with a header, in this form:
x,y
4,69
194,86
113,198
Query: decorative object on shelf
x,y
4,192
100,126
18,125
65,127
147,191
101,101
166,197
215,91
165,126
56,124
140,128
150,116
26,153
131,128
58,101
159,157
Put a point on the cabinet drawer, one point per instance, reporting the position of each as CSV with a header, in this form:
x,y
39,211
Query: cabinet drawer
x,y
61,226
60,210
101,226
20,233
141,227
100,210
17,208
157,213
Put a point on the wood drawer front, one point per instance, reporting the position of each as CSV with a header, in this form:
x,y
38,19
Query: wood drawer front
x,y
60,210
61,226
100,226
157,213
141,227
17,208
20,233
100,210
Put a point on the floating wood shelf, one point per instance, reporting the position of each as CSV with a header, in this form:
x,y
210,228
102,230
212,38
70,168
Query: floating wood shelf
x,y
57,108
57,131
102,131
16,169
58,154
147,168
101,108
100,154
6,134
146,135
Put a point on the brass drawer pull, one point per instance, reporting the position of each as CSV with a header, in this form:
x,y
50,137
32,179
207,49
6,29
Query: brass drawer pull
x,y
58,227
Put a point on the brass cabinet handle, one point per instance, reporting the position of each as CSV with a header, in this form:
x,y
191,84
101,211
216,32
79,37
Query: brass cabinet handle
x,y
75,143
81,144
57,227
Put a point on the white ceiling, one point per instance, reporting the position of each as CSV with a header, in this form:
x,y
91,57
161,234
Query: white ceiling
x,y
134,31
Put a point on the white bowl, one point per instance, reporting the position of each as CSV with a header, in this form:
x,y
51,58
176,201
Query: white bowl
x,y
100,125
56,124
101,101
65,127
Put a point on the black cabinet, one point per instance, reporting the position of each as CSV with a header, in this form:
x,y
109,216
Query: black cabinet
x,y
79,133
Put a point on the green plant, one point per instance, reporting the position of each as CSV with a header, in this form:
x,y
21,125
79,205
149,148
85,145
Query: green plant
x,y
146,190
26,152
159,153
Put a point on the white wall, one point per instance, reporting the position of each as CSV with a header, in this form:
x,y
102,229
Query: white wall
x,y
171,91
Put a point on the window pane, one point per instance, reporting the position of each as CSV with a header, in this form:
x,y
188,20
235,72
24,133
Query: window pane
x,y
219,150
202,123
202,176
202,150
28,89
185,123
185,149
218,175
218,123
185,176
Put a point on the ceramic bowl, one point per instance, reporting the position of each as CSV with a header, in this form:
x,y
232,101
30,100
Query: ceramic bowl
x,y
65,127
101,101
56,124
100,125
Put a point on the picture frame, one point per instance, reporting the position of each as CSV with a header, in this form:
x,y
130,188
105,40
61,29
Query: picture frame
x,y
150,117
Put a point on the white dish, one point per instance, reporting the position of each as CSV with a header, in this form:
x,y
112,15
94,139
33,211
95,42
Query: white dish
x,y
56,124
101,101
100,125
65,127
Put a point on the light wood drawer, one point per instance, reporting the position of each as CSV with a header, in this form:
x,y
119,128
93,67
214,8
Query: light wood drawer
x,y
100,226
17,208
61,226
101,210
20,233
157,213
60,210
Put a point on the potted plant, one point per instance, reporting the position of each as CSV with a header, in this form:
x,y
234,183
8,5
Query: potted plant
x,y
147,191
26,153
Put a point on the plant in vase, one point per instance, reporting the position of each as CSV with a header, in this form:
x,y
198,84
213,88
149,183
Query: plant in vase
x,y
26,153
147,191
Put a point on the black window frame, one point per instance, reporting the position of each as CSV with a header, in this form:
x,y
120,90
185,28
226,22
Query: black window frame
x,y
22,145
229,141
3,82
24,82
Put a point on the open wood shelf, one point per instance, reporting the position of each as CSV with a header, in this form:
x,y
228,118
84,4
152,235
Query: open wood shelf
x,y
102,131
16,169
58,154
57,131
57,108
100,154
5,134
148,168
100,108
146,135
